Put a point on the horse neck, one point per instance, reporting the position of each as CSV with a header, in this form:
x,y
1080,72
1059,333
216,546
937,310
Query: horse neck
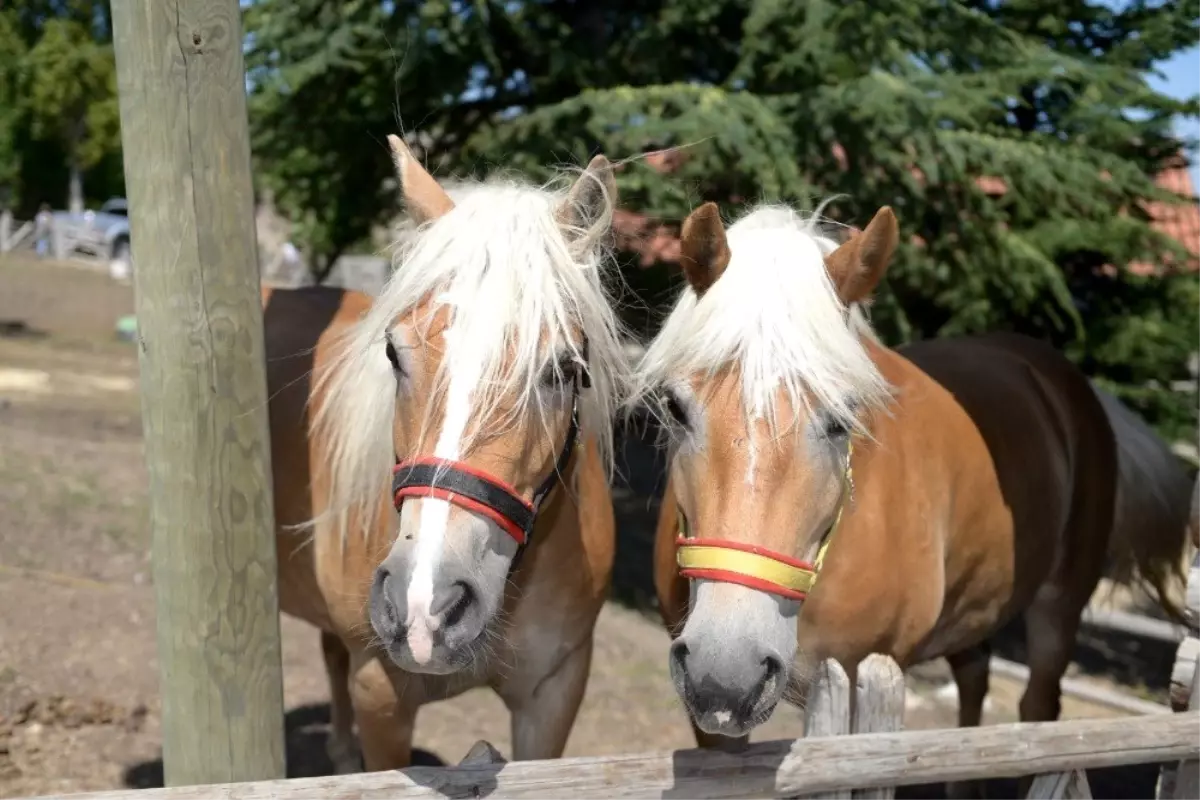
x,y
575,536
880,550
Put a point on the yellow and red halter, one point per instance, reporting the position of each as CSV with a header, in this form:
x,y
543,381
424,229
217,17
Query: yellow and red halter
x,y
753,566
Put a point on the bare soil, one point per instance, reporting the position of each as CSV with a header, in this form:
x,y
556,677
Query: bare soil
x,y
79,706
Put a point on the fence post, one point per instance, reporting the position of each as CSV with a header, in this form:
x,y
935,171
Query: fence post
x,y
1182,779
827,710
1072,785
58,241
181,82
878,707
1187,773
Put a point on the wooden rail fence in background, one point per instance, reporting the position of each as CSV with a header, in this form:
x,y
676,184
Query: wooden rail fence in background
x,y
12,233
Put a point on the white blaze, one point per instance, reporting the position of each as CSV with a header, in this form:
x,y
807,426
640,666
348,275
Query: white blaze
x,y
465,360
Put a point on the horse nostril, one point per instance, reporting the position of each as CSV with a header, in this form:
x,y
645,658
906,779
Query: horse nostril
x,y
451,603
387,609
774,668
679,654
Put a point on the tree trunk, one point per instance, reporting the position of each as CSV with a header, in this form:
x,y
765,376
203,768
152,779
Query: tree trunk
x,y
75,191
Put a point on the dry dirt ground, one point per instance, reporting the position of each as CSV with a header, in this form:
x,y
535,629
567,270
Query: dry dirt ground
x,y
79,706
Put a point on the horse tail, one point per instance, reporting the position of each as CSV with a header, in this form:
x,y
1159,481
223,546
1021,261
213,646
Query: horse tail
x,y
1156,508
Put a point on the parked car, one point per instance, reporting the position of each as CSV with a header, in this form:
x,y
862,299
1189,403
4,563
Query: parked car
x,y
103,233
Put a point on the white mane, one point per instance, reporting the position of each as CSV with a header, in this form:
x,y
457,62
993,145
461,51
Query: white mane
x,y
774,313
518,288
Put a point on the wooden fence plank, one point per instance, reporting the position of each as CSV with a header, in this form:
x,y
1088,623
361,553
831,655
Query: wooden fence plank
x,y
1135,624
1187,775
182,96
1071,785
1180,780
827,712
769,769
1084,690
878,708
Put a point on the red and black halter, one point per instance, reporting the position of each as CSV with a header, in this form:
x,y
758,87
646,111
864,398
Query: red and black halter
x,y
480,493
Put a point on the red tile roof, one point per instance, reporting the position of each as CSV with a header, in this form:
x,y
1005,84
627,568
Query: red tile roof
x,y
1180,222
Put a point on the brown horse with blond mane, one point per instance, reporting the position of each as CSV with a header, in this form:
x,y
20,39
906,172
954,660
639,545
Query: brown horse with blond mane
x,y
911,503
453,475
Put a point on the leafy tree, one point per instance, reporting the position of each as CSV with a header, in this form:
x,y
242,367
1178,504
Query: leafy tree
x,y
1017,140
41,94
73,97
12,54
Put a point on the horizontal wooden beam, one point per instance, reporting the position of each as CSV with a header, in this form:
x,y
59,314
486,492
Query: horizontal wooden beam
x,y
1134,624
770,769
1083,690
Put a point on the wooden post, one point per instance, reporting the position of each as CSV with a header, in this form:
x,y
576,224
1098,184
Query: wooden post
x,y
58,241
878,707
181,81
827,711
1182,778
1069,785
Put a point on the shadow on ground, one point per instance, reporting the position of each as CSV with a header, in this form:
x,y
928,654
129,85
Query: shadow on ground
x,y
305,730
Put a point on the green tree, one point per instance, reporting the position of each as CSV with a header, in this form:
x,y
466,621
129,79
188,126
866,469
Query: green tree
x,y
12,55
1016,140
73,97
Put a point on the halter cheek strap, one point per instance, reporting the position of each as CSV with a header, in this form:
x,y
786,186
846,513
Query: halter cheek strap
x,y
481,493
753,566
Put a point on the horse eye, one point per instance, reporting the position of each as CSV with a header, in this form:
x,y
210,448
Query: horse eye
x,y
564,373
394,358
836,428
676,409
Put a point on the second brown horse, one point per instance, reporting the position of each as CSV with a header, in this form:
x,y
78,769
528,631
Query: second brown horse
x,y
831,497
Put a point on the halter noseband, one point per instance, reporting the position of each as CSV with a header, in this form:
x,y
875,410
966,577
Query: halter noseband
x,y
753,566
478,492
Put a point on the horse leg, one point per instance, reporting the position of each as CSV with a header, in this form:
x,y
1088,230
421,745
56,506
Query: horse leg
x,y
542,718
385,725
972,672
1051,623
341,747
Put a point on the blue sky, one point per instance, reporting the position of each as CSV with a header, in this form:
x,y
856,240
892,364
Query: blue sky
x,y
1181,78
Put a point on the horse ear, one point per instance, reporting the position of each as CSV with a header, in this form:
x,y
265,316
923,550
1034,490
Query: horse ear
x,y
704,251
857,266
590,202
423,196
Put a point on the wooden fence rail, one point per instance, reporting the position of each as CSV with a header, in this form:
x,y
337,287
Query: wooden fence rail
x,y
12,233
827,763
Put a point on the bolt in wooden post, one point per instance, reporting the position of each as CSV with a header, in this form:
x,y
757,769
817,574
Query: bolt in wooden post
x,y
204,406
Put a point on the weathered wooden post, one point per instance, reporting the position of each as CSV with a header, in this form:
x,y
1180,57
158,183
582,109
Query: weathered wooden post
x,y
827,711
204,406
1182,779
874,703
